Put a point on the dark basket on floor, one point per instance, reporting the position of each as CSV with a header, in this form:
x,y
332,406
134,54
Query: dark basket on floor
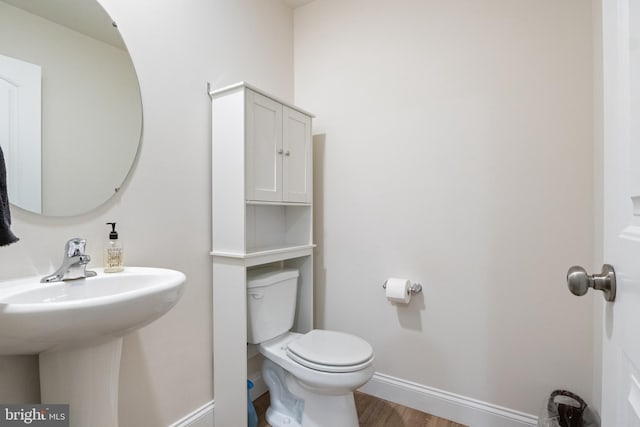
x,y
565,409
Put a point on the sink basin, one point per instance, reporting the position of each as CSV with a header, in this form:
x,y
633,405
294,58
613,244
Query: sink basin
x,y
77,326
36,317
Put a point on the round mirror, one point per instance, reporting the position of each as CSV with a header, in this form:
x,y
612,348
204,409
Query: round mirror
x,y
70,107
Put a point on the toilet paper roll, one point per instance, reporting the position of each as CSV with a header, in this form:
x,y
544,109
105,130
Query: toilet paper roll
x,y
397,290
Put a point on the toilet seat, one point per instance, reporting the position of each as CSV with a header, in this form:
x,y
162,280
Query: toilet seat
x,y
321,381
330,351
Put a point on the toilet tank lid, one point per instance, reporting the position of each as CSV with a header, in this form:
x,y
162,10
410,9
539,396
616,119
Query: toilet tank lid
x,y
266,276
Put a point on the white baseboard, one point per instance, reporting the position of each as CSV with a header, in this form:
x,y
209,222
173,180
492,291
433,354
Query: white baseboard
x,y
201,417
259,386
461,409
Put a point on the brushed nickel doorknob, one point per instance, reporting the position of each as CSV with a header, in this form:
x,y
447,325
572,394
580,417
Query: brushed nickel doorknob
x,y
579,281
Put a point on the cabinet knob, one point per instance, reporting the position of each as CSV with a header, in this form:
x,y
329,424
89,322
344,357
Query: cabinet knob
x,y
287,153
280,151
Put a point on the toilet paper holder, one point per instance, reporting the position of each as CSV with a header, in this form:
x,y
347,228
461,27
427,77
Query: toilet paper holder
x,y
415,288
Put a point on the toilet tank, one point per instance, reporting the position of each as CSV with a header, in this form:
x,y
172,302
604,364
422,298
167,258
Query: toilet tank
x,y
271,302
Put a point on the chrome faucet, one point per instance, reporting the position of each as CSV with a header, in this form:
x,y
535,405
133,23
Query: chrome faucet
x,y
74,264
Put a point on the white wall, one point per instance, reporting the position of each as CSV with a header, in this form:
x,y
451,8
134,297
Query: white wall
x,y
455,150
163,212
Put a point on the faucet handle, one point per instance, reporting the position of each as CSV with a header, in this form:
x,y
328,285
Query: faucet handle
x,y
74,263
75,247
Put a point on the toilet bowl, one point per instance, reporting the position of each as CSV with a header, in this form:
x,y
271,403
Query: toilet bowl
x,y
311,377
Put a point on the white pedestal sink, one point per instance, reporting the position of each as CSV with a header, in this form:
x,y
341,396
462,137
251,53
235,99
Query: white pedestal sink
x,y
77,327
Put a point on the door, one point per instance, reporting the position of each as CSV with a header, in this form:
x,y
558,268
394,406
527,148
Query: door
x,y
20,134
621,130
296,167
264,148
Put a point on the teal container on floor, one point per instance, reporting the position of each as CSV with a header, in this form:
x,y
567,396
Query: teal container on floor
x,y
253,417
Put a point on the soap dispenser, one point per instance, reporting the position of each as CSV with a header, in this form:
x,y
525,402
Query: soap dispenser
x,y
113,253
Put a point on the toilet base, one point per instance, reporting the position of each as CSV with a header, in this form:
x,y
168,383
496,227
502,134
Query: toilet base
x,y
328,410
278,419
293,404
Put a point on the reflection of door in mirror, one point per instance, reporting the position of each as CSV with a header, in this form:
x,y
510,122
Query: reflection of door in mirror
x,y
20,106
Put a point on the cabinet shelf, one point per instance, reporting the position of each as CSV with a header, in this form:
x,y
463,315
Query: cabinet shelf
x,y
267,254
263,203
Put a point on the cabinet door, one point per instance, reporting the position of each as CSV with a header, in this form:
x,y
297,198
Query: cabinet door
x,y
264,148
296,143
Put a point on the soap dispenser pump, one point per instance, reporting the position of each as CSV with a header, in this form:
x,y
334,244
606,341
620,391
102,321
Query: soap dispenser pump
x,y
113,252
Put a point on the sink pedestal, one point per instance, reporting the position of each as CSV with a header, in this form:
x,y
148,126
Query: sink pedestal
x,y
86,378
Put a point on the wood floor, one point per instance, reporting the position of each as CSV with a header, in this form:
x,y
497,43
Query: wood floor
x,y
374,412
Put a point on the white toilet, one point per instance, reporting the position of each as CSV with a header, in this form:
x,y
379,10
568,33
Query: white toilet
x,y
311,377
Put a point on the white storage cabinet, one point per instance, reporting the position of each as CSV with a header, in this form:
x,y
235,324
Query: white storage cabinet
x,y
278,151
261,214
